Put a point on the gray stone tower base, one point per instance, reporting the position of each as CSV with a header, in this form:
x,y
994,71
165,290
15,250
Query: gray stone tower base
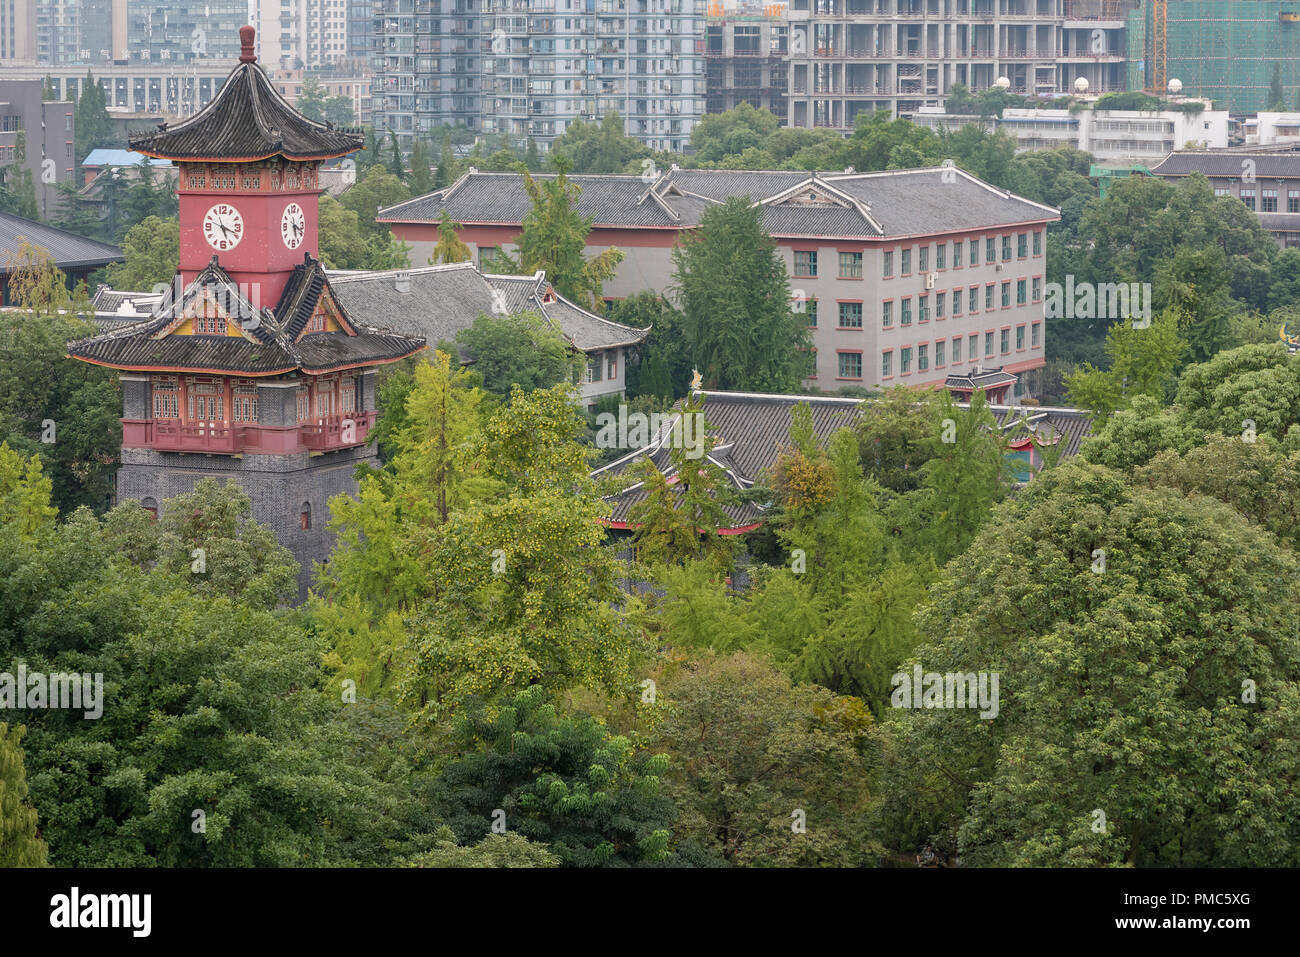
x,y
281,487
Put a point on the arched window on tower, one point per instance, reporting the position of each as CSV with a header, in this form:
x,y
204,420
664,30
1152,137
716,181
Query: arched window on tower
x,y
150,505
304,517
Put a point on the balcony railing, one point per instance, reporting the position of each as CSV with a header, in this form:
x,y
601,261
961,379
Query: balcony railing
x,y
318,435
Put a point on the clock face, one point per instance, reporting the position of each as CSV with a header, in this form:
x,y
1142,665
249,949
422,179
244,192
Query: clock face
x,y
223,227
293,226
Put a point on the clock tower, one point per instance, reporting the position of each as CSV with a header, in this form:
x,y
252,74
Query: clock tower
x,y
248,184
254,373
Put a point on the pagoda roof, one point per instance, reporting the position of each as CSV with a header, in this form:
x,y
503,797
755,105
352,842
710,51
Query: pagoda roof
x,y
270,341
247,120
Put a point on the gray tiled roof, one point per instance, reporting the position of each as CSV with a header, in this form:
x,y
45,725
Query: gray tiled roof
x,y
1280,222
751,429
893,203
269,346
1231,164
437,302
69,250
911,202
721,184
501,198
248,119
107,299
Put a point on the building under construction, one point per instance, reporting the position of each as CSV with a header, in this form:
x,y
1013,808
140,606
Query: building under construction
x,y
1223,49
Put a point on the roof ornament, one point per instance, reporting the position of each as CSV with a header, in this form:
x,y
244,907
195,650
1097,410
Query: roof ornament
x,y
697,380
247,35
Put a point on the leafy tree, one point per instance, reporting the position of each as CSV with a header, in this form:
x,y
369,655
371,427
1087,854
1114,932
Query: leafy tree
x,y
20,840
1258,479
395,165
311,99
1142,362
1257,384
965,477
343,243
495,850
592,796
420,180
17,187
1276,96
448,169
449,248
240,558
1135,435
661,367
897,437
1124,685
739,329
77,213
147,196
553,237
378,188
152,251
722,135
597,147
521,351
839,612
748,751
878,141
1284,279
92,126
65,411
678,519
210,705
519,584
339,111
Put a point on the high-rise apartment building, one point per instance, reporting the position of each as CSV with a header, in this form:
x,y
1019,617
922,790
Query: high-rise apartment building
x,y
427,66
17,29
179,30
293,34
38,134
136,31
850,56
746,49
530,69
361,34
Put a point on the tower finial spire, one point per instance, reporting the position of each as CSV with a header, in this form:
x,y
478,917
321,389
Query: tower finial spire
x,y
247,34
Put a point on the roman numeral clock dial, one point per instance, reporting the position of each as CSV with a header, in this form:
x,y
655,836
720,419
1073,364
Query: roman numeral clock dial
x,y
223,227
293,226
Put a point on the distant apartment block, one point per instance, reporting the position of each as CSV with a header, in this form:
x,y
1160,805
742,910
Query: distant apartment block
x,y
355,87
850,56
45,128
293,34
18,29
746,49
1127,136
136,31
1267,182
530,69
1271,129
137,90
905,276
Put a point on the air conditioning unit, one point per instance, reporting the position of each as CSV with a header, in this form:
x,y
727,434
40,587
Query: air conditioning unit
x,y
930,278
998,268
